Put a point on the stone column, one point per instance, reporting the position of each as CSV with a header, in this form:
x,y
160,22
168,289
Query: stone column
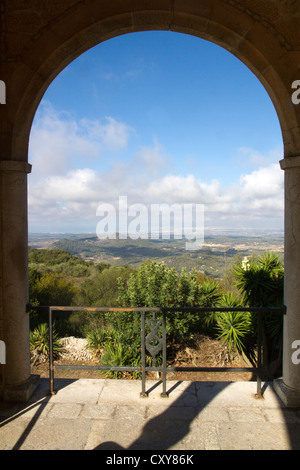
x,y
16,381
288,388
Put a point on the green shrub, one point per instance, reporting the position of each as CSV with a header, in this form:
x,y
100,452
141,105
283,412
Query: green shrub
x,y
115,355
52,289
155,285
261,282
97,339
39,342
121,349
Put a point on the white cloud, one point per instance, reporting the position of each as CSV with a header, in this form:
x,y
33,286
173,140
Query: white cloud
x,y
62,193
184,189
113,135
152,159
58,142
258,195
78,185
263,183
255,158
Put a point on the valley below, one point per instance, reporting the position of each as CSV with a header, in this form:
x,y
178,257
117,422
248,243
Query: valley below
x,y
214,258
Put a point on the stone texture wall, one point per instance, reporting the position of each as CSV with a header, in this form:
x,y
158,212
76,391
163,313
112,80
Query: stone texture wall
x,y
38,38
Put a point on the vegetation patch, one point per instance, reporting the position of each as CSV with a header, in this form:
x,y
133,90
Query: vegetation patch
x,y
57,277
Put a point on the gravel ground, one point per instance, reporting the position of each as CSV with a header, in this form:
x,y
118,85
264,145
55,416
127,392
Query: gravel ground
x,y
76,349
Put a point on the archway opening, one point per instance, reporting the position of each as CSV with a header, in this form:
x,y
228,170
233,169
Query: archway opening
x,y
171,111
167,119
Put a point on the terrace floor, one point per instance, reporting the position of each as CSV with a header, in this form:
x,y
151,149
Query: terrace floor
x,y
102,414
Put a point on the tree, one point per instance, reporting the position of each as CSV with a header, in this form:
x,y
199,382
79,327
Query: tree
x,y
59,261
51,289
261,282
155,285
101,290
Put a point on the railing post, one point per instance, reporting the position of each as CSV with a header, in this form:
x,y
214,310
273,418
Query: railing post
x,y
164,393
143,393
51,366
259,355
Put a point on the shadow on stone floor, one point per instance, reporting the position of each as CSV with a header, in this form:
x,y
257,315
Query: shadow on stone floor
x,y
172,426
12,411
165,430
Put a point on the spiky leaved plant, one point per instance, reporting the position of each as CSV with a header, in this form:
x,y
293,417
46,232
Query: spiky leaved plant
x,y
39,342
261,282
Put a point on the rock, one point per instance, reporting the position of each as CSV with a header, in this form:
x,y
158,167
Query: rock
x,y
75,349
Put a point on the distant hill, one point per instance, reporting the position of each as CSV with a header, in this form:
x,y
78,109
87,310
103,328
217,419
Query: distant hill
x,y
213,259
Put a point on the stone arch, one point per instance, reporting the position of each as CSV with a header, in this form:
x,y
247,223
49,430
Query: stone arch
x,y
83,26
39,39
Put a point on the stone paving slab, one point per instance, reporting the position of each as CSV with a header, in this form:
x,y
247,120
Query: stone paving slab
x,y
109,415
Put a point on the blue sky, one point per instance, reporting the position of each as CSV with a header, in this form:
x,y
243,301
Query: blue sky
x,y
158,117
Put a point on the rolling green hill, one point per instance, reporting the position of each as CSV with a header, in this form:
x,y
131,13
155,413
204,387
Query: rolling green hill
x,y
213,259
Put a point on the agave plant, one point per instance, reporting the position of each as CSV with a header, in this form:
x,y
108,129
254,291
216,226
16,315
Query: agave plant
x,y
115,355
39,342
233,329
261,281
97,339
121,349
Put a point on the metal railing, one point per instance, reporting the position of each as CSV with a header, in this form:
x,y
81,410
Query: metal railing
x,y
155,342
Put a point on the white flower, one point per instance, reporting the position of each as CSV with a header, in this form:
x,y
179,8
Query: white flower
x,y
245,263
